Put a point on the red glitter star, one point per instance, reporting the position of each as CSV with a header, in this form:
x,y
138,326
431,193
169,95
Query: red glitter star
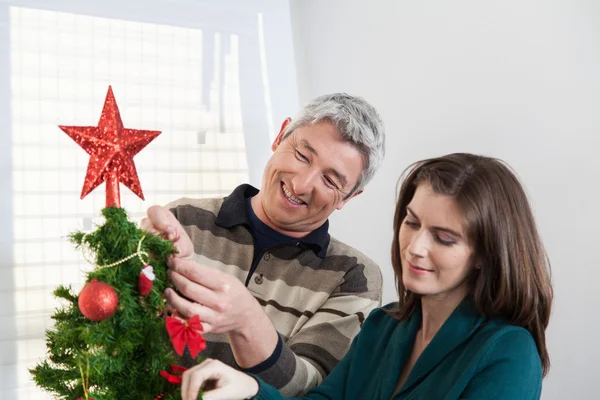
x,y
111,148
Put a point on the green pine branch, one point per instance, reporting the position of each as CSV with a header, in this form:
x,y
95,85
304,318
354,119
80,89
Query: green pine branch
x,y
120,357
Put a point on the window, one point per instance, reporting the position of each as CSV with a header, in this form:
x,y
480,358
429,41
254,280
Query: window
x,y
184,81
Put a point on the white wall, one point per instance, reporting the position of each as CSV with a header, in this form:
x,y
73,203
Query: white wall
x,y
516,79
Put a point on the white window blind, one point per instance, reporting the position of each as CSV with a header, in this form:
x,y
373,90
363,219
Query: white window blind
x,y
181,80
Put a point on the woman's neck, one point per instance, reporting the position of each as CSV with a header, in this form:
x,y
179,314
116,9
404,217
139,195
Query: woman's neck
x,y
436,310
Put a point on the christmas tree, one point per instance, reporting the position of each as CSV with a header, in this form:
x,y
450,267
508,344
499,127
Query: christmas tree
x,y
114,340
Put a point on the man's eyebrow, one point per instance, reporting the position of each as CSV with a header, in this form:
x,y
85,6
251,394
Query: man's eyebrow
x,y
308,147
339,176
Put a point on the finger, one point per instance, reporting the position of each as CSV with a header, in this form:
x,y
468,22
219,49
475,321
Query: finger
x,y
206,276
231,384
194,378
194,291
188,308
163,221
185,382
146,225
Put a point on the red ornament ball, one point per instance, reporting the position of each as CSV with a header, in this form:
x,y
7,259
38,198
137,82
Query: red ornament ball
x,y
98,300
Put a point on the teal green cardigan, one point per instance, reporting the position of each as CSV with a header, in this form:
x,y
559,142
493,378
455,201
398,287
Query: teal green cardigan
x,y
471,357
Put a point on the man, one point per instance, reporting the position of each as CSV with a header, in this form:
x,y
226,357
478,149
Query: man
x,y
277,296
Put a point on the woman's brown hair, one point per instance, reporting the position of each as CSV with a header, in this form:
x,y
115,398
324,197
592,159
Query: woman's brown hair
x,y
512,280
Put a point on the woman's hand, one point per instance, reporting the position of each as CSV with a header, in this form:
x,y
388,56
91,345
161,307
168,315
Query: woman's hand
x,y
225,382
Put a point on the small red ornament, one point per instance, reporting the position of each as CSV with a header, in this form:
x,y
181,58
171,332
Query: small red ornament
x,y
174,376
111,148
145,280
98,300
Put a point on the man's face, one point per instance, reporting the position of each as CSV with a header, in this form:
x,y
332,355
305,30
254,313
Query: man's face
x,y
310,174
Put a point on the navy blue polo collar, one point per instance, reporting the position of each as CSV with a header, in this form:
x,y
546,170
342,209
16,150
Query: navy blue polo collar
x,y
233,212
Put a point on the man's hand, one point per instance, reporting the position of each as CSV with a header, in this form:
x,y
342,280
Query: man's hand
x,y
161,221
224,305
221,301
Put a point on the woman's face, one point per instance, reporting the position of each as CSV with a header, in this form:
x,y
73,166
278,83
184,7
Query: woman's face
x,y
435,254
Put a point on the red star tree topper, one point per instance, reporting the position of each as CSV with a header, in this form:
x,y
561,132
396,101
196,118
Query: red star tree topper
x,y
111,148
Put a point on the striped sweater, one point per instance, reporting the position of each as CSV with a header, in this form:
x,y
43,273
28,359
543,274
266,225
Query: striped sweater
x,y
317,304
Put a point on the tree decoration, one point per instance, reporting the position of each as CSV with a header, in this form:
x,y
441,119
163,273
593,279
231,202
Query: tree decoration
x,y
98,301
111,148
115,329
145,280
186,332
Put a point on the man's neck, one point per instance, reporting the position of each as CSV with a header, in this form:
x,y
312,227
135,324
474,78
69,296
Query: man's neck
x,y
256,204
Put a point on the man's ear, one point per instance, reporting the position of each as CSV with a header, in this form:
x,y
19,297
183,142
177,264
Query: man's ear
x,y
343,202
279,137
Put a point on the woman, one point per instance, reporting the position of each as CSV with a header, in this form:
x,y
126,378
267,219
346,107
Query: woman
x,y
474,298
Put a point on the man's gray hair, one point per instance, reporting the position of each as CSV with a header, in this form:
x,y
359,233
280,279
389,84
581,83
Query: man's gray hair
x,y
356,120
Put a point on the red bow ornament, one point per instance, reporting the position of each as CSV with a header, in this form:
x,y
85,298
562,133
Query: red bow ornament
x,y
186,332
